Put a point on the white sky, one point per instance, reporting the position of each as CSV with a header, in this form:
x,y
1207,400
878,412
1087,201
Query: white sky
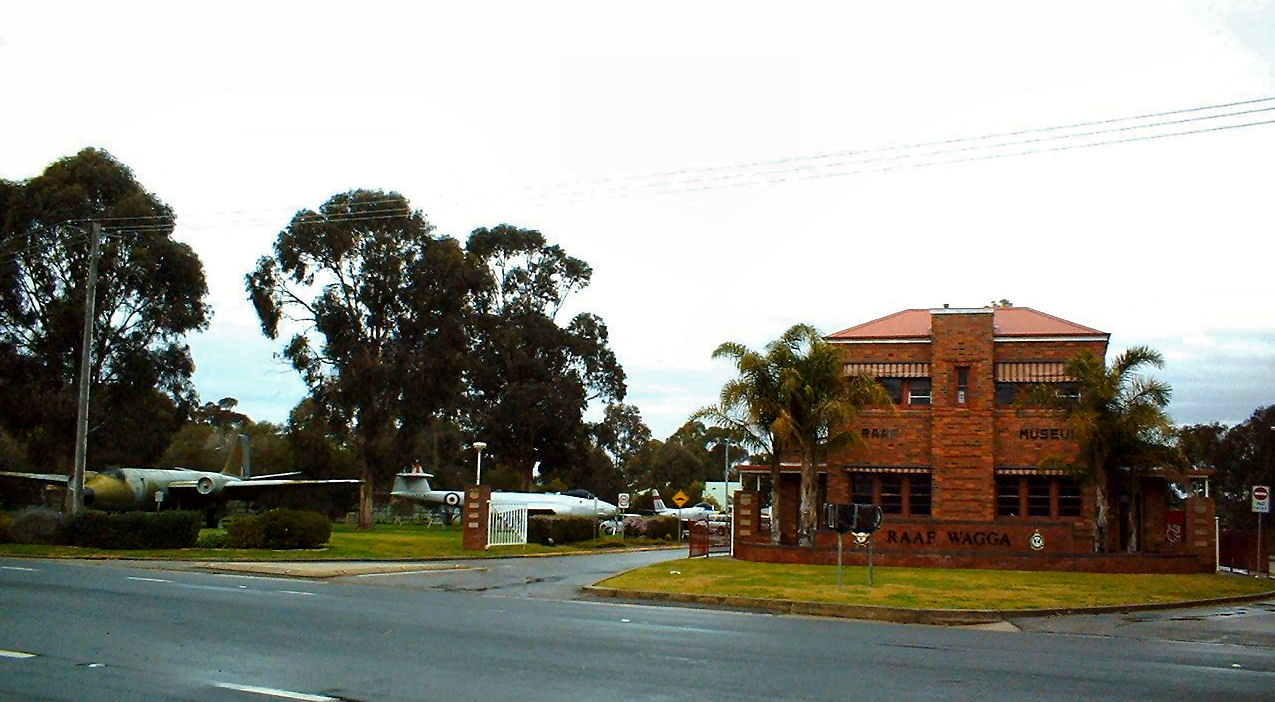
x,y
240,114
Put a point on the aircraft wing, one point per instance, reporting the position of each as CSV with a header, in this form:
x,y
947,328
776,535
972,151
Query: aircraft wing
x,y
51,478
247,489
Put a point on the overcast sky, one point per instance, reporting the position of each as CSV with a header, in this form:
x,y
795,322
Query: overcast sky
x,y
707,160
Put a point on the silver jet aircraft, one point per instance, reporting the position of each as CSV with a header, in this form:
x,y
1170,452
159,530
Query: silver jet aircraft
x,y
414,485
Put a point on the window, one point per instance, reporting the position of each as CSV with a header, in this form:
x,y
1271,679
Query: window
x,y
1068,498
1006,394
896,493
918,494
962,383
918,391
1037,496
1007,503
907,391
893,388
892,493
862,487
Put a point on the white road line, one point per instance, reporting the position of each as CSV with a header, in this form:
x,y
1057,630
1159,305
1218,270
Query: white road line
x,y
272,692
149,580
16,654
296,592
253,577
26,570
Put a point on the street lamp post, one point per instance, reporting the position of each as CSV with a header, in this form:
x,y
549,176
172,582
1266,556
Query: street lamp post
x,y
480,445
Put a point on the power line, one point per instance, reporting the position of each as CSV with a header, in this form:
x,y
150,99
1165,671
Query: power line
x,y
620,181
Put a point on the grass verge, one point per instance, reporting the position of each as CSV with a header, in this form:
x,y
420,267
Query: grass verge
x,y
386,542
929,588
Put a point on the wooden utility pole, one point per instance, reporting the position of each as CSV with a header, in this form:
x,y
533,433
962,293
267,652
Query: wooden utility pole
x,y
86,351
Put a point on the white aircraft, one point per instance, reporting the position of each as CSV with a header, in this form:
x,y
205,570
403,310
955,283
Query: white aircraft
x,y
414,485
695,513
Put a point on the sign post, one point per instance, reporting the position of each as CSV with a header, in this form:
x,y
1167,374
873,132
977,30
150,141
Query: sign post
x,y
1261,498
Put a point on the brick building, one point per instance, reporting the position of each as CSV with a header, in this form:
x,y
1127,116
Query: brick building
x,y
956,466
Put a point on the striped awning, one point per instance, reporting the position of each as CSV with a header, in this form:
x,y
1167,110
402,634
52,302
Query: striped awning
x,y
1026,470
889,370
889,469
1031,372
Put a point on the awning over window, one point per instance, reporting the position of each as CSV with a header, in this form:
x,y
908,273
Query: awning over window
x,y
1022,470
888,469
889,370
1032,372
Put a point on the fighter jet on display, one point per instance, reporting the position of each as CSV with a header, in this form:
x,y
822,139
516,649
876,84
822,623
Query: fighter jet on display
x,y
414,485
124,489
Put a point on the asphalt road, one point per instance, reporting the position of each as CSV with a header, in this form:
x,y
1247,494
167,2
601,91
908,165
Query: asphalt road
x,y
108,631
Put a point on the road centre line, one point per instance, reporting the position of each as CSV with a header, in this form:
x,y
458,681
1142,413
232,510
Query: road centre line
x,y
25,570
16,654
296,592
149,580
272,692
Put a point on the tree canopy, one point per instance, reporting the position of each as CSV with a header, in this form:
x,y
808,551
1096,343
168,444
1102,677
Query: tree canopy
x,y
150,294
530,378
377,306
1243,456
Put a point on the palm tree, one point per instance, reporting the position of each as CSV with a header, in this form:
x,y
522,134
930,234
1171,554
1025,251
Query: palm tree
x,y
819,407
750,405
1120,423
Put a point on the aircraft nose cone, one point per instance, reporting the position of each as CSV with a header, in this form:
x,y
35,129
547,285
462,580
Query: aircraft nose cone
x,y
88,496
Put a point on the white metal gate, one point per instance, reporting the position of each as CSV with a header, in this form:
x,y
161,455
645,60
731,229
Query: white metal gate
x,y
506,525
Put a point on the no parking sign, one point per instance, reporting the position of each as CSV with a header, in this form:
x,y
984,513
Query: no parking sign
x,y
1261,499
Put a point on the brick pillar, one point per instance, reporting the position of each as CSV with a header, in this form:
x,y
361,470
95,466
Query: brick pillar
x,y
474,525
962,433
747,516
1201,531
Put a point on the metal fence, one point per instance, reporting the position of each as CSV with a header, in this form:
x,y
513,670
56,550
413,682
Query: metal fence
x,y
506,525
709,537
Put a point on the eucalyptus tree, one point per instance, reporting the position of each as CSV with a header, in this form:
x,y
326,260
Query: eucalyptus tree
x,y
379,309
531,378
149,295
1243,456
1121,427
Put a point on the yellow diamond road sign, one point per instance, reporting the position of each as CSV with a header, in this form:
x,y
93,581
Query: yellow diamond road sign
x,y
680,498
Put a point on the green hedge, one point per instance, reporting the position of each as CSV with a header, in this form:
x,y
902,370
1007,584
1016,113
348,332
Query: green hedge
x,y
552,529
662,528
280,529
34,525
132,530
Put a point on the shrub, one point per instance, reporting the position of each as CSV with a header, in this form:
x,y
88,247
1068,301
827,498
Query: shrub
x,y
554,529
35,525
4,526
133,530
210,538
280,529
245,531
662,528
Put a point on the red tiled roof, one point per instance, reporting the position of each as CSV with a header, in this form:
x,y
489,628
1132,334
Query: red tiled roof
x,y
1007,321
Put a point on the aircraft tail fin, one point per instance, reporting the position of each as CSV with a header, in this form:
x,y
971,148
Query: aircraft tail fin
x,y
656,501
412,482
239,458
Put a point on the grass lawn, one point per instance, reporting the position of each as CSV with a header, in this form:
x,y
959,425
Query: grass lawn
x,y
385,542
928,588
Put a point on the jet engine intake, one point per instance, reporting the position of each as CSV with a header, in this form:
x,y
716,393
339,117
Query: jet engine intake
x,y
205,486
